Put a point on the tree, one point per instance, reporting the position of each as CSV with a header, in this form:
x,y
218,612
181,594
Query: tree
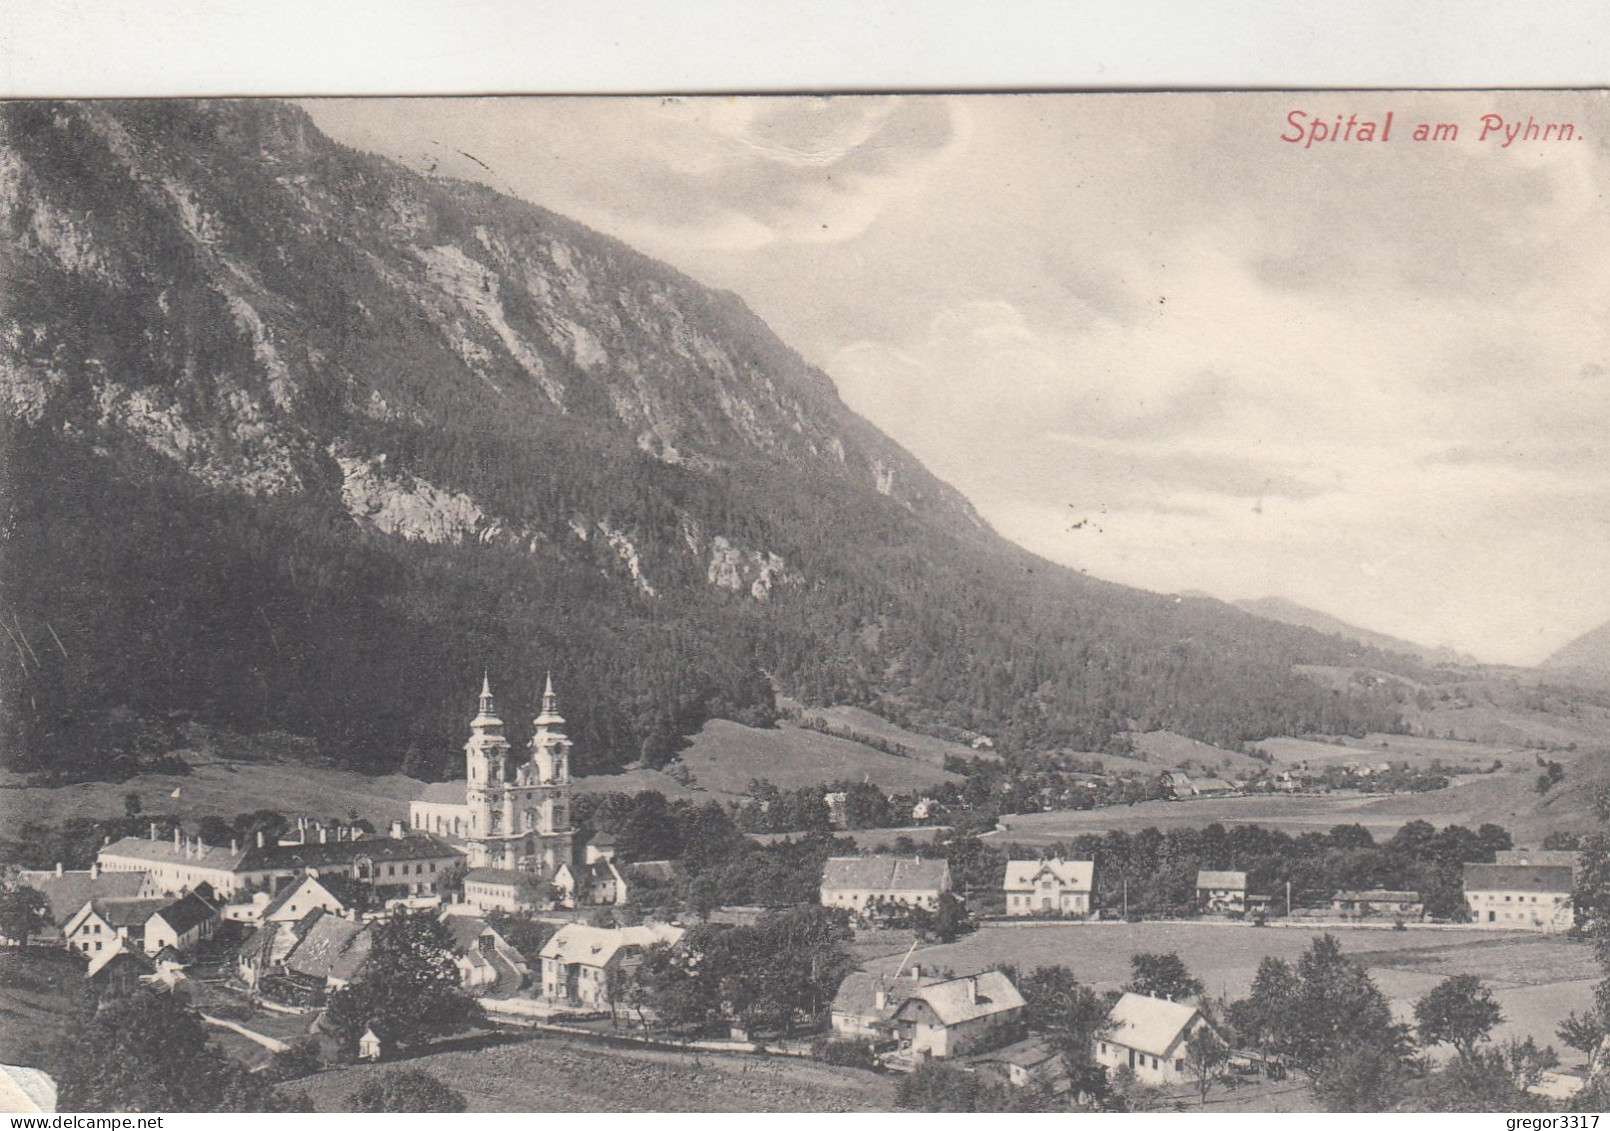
x,y
149,1052
1205,1058
408,988
1460,1012
405,1090
1360,1076
131,804
1072,1017
1261,1019
650,832
23,911
1162,975
1338,1021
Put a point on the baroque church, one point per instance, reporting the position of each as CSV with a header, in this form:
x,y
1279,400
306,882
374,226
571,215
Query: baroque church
x,y
510,812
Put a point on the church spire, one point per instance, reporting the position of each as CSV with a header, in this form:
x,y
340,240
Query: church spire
x,y
550,706
487,714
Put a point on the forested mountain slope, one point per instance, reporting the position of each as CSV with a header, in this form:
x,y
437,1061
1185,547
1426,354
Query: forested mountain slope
x,y
297,439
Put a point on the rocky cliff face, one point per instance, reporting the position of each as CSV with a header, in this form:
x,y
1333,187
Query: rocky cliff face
x,y
254,297
295,438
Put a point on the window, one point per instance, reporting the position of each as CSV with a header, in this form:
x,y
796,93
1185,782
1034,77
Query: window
x,y
1179,1064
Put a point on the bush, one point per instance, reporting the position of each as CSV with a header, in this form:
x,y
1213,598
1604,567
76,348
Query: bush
x,y
844,1053
406,1090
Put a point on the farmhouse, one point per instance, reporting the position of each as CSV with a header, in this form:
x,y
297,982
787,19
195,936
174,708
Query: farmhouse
x,y
1221,891
181,926
1028,1062
1148,1035
959,1016
865,1004
330,954
101,925
1532,897
1377,901
299,897
1057,886
68,891
859,882
583,966
485,960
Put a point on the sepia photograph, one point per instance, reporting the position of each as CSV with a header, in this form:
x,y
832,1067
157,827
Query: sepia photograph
x,y
1000,602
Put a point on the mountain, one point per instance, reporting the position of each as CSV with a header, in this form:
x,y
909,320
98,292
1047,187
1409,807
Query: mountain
x,y
297,440
1289,612
1588,654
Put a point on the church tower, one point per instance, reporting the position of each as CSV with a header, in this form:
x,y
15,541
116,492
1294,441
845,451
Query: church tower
x,y
519,812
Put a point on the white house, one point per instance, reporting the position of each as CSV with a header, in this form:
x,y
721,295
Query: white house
x,y
1148,1035
959,1016
1221,891
101,924
857,882
299,897
865,1004
599,883
484,958
181,926
583,966
1049,887
1530,897
496,889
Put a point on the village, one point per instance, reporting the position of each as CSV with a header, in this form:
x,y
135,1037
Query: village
x,y
281,942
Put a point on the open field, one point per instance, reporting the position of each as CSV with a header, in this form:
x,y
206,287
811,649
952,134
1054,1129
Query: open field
x,y
221,788
557,1073
1417,752
1165,750
923,746
1537,980
724,757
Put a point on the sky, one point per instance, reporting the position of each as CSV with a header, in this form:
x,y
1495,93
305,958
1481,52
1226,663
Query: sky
x,y
1147,337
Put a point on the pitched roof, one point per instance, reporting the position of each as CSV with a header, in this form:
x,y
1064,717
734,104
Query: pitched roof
x,y
259,945
444,792
1029,1053
122,955
1221,880
467,931
1378,895
269,857
1076,874
68,892
334,948
1549,878
965,999
857,995
494,876
602,840
1150,1025
885,873
288,891
1556,856
185,913
576,943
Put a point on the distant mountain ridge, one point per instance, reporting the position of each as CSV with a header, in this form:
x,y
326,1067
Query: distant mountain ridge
x,y
296,439
1290,612
1588,653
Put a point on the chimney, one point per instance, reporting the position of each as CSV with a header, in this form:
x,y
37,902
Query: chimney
x,y
259,838
881,998
153,830
176,844
916,972
321,834
396,830
95,870
58,867
972,989
234,846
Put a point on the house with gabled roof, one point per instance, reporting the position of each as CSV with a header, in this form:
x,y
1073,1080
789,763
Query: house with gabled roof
x,y
297,898
118,970
1528,897
330,955
181,926
959,1016
583,966
865,1004
1027,1063
597,884
102,923
67,891
1221,891
1049,887
1147,1035
859,883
